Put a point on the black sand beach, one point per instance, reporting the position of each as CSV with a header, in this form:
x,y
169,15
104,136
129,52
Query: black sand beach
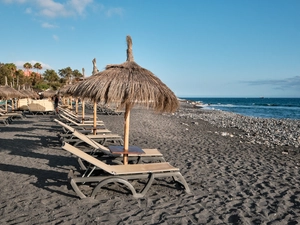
x,y
233,179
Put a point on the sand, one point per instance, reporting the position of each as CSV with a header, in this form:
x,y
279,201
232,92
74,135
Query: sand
x,y
232,181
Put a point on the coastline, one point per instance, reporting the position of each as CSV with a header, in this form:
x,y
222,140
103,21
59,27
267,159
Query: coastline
x,y
271,132
276,108
233,180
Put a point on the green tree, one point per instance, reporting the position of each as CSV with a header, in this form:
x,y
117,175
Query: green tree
x,y
12,67
77,75
20,77
50,76
7,70
34,77
27,66
52,79
66,74
38,67
42,85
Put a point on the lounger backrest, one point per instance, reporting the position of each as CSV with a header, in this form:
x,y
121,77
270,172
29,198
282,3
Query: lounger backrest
x,y
91,142
71,129
68,119
83,137
69,115
87,157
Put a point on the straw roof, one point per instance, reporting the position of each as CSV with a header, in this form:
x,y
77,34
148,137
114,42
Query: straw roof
x,y
128,84
29,93
63,90
9,92
49,93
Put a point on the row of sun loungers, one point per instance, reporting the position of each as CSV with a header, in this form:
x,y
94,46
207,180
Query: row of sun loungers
x,y
106,110
8,117
99,167
110,111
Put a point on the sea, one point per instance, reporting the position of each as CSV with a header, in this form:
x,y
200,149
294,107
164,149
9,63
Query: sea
x,y
277,108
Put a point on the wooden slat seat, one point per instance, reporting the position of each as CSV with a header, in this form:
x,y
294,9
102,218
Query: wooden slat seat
x,y
121,174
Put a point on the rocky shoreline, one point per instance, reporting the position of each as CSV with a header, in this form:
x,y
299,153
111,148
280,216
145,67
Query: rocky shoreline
x,y
270,132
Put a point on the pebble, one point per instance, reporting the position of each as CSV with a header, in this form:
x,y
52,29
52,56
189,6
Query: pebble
x,y
271,132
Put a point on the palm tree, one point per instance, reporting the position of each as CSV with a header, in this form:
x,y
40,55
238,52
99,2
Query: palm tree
x,y
27,66
38,67
12,68
66,74
20,77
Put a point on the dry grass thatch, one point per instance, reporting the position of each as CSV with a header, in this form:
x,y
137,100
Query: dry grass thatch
x,y
63,90
127,84
9,92
49,93
28,93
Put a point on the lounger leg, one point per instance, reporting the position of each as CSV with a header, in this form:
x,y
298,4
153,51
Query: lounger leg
x,y
75,186
122,181
127,183
182,181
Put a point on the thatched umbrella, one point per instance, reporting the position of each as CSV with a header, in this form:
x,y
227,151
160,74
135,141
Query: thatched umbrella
x,y
71,90
128,84
49,93
63,92
28,93
7,92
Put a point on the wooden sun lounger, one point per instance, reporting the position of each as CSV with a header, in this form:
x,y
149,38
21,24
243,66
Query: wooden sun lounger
x,y
102,152
85,125
85,130
99,150
5,120
73,116
121,174
13,115
110,111
103,136
73,113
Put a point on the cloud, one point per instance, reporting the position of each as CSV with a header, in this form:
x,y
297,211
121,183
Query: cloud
x,y
50,8
53,9
48,25
20,64
65,8
114,11
283,84
13,1
55,37
79,5
28,10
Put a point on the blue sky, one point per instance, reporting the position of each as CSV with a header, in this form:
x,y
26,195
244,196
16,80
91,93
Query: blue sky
x,y
204,48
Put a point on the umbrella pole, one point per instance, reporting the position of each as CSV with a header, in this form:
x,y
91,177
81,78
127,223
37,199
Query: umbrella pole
x,y
95,118
12,105
76,109
83,106
70,101
126,134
